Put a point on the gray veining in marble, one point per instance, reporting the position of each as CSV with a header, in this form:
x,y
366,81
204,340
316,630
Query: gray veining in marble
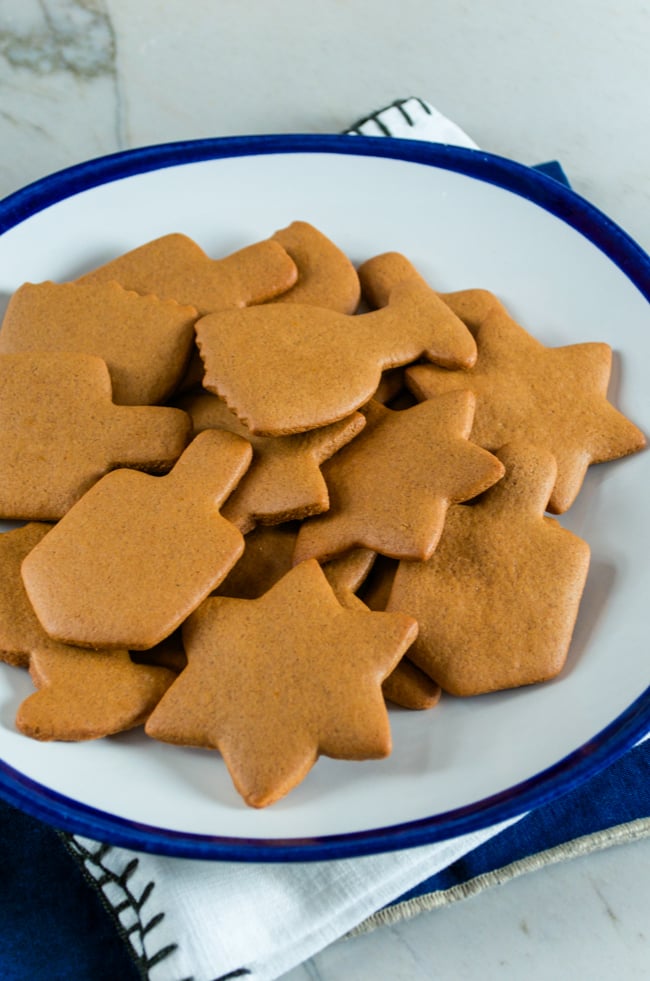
x,y
57,56
55,35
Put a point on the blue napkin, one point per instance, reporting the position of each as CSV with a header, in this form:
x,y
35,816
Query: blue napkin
x,y
55,925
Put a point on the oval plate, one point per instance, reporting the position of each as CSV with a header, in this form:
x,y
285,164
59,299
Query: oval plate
x,y
465,219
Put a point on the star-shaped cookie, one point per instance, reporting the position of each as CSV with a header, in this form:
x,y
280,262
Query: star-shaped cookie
x,y
284,481
552,397
174,267
391,487
275,682
497,601
287,368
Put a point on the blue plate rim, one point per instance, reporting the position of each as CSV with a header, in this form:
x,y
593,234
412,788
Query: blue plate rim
x,y
565,775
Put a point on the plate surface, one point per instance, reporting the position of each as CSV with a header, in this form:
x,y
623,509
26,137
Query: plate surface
x,y
466,219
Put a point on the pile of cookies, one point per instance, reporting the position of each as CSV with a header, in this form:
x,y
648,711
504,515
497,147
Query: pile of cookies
x,y
267,493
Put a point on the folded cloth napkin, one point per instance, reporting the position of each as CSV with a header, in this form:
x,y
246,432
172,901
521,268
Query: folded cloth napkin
x,y
135,915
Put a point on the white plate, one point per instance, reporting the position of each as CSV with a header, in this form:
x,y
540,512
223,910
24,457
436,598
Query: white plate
x,y
466,219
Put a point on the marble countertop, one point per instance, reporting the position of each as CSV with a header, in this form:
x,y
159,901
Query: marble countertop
x,y
82,78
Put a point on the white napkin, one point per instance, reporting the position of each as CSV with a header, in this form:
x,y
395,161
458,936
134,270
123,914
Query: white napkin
x,y
412,119
188,918
210,920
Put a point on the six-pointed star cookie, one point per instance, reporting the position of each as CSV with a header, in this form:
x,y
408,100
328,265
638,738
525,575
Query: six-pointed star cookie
x,y
552,397
284,481
498,599
391,487
286,368
275,682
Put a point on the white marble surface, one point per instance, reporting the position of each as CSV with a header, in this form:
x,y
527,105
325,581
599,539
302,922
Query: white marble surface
x,y
533,81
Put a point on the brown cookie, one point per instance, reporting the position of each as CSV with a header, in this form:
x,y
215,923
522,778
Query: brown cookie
x,y
284,481
88,694
289,368
498,599
267,557
326,277
391,487
61,432
145,342
275,682
174,267
406,685
83,694
347,572
411,688
380,275
138,554
169,653
20,630
552,397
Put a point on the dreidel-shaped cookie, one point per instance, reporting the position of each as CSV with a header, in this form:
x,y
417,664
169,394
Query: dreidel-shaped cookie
x,y
145,342
289,368
82,694
498,599
61,432
175,267
139,553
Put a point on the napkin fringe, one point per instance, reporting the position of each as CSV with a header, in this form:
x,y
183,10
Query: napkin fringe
x,y
621,834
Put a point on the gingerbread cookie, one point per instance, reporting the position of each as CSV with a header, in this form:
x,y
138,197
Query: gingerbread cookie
x,y
138,554
88,694
284,481
497,601
145,342
267,557
411,688
61,432
326,277
306,367
391,487
379,275
275,682
169,653
406,685
553,397
175,268
20,630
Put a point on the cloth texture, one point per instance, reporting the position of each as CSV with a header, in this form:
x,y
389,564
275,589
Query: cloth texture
x,y
75,908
